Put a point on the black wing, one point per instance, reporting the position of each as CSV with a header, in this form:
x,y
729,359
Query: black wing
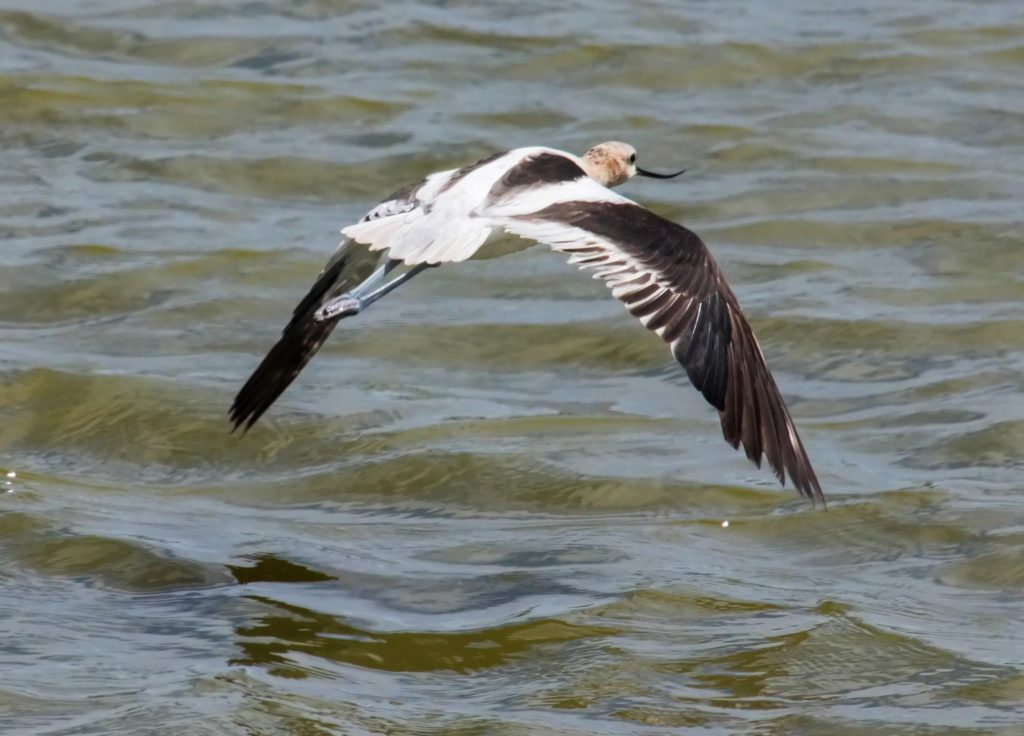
x,y
667,278
302,336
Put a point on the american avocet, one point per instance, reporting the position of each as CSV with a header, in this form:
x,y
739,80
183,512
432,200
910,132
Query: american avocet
x,y
661,271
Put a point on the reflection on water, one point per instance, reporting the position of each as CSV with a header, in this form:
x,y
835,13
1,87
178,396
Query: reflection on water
x,y
492,504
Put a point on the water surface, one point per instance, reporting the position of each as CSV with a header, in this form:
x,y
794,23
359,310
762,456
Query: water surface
x,y
493,505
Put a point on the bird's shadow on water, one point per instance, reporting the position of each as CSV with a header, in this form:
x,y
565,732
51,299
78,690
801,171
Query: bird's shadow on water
x,y
282,632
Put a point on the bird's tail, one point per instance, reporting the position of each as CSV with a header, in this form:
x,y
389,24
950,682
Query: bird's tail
x,y
302,336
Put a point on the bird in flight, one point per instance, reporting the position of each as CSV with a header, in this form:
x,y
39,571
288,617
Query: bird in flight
x,y
662,272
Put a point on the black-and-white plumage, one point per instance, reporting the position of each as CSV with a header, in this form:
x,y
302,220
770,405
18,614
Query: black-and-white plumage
x,y
662,272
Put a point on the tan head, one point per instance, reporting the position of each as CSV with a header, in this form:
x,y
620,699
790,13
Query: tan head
x,y
613,162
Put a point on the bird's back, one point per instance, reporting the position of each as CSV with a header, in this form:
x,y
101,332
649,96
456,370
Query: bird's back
x,y
452,218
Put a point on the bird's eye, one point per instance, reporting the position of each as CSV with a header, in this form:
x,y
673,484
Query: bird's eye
x,y
632,159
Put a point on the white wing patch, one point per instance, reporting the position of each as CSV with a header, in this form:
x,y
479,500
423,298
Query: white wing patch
x,y
390,208
423,237
385,232
447,224
450,221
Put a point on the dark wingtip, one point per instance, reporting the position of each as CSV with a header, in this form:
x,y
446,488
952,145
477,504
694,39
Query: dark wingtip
x,y
277,370
801,474
811,488
299,342
239,420
755,415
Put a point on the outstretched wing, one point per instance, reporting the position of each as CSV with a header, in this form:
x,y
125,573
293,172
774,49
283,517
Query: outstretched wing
x,y
303,336
348,267
667,278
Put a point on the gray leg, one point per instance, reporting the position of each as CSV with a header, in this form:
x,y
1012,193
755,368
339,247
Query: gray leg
x,y
364,295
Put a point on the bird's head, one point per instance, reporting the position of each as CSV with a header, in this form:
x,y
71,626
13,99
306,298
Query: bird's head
x,y
613,163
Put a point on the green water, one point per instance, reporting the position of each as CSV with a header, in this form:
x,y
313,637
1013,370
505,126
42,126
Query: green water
x,y
492,505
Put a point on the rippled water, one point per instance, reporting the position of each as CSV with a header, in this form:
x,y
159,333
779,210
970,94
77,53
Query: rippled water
x,y
493,505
